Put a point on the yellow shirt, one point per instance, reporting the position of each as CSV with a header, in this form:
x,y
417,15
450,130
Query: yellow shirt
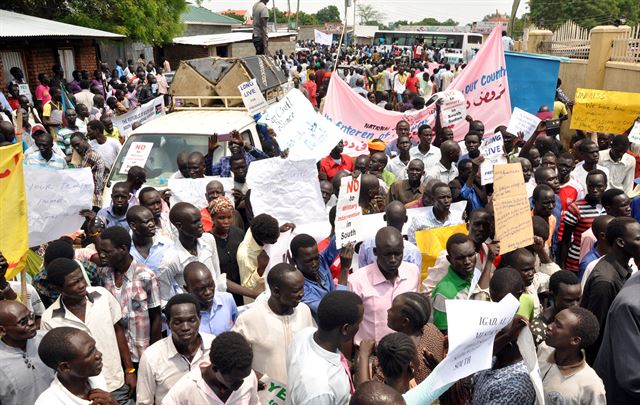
x,y
115,134
559,109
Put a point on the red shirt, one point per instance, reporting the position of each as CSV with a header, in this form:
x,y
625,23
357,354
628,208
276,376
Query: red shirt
x,y
568,195
330,167
412,83
207,221
311,89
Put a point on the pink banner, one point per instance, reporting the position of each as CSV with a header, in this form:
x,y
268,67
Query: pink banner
x,y
485,86
361,121
483,82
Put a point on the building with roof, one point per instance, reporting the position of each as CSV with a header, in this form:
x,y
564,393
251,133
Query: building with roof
x,y
202,21
36,44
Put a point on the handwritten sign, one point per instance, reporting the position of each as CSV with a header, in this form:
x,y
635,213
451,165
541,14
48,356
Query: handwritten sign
x,y
303,131
348,212
604,111
634,135
252,97
493,151
454,107
274,393
514,228
473,326
137,155
522,121
194,190
54,199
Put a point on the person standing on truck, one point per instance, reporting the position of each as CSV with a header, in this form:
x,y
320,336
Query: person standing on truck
x,y
260,21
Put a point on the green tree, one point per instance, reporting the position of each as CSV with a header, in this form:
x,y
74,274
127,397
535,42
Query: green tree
x,y
433,21
586,13
306,19
328,14
368,14
150,21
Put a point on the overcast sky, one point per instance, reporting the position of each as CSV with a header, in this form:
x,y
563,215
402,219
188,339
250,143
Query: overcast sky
x,y
463,11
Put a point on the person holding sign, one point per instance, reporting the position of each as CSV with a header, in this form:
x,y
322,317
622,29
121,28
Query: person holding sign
x,y
237,146
380,282
336,162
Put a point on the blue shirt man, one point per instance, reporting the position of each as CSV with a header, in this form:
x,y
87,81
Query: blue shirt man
x,y
587,259
223,167
221,316
112,218
156,253
316,289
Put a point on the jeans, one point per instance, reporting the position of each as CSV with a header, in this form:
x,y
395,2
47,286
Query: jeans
x,y
258,43
121,395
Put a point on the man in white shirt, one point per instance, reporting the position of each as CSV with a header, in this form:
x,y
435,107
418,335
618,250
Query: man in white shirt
x,y
507,42
85,96
425,151
95,311
446,77
227,379
108,148
318,373
620,164
270,325
445,169
566,376
73,354
168,360
591,154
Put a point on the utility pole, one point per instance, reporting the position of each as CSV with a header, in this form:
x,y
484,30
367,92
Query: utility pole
x,y
275,17
297,12
353,34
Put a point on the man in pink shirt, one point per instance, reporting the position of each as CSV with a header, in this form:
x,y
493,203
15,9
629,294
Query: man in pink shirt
x,y
380,282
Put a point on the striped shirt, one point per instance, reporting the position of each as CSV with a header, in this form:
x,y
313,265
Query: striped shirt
x,y
138,293
580,216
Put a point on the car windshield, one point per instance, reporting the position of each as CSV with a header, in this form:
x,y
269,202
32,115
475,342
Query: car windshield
x,y
161,161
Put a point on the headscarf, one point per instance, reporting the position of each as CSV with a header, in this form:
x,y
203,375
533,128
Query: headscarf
x,y
220,204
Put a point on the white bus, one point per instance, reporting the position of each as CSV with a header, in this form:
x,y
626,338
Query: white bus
x,y
465,43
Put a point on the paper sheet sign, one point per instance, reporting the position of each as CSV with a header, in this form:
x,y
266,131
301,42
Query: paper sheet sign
x,y
473,326
522,121
514,228
348,212
193,191
453,108
322,38
64,193
252,97
137,155
493,151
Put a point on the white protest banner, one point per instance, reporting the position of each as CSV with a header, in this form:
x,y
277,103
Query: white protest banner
x,y
322,38
493,151
473,326
303,131
348,212
252,97
453,108
522,121
54,200
288,190
634,135
194,190
146,112
137,155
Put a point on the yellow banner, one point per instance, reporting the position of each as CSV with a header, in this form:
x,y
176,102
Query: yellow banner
x,y
431,242
604,111
14,235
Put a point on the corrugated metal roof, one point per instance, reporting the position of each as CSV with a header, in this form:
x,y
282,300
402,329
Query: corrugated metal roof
x,y
22,25
200,15
221,39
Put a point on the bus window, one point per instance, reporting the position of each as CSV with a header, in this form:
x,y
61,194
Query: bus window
x,y
474,39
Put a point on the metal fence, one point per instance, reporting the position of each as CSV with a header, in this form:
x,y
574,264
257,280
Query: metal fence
x,y
627,49
569,40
